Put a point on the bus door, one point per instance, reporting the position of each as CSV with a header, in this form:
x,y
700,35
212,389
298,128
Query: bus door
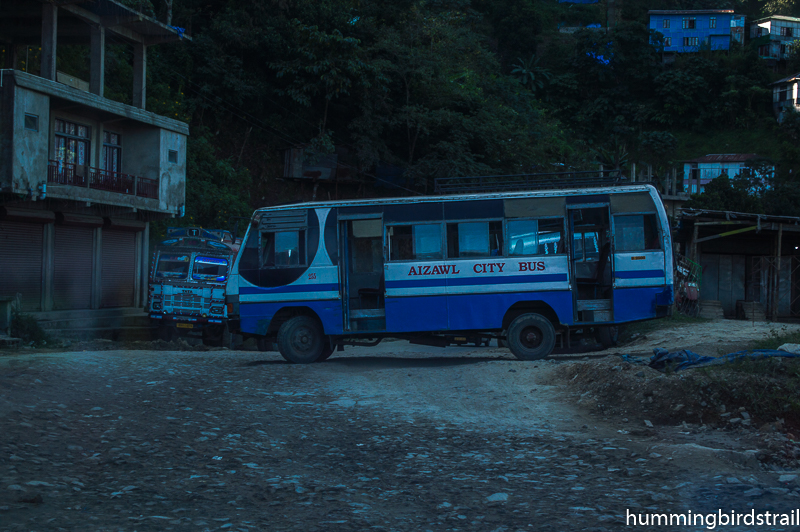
x,y
591,262
361,274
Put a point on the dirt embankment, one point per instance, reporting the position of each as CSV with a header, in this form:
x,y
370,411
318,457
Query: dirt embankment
x,y
756,399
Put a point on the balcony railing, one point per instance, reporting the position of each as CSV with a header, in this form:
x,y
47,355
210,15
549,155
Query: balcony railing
x,y
61,173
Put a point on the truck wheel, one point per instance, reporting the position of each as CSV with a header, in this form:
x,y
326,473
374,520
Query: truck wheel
x,y
607,336
300,340
531,337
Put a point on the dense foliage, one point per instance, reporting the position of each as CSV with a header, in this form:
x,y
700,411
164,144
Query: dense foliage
x,y
449,88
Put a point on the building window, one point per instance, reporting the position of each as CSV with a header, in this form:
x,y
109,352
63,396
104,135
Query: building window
x,y
786,32
665,24
712,22
31,122
689,23
112,152
690,41
759,31
71,142
172,156
667,41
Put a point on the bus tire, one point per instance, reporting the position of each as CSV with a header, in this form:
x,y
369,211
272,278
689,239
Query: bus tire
x,y
531,337
607,336
300,340
327,351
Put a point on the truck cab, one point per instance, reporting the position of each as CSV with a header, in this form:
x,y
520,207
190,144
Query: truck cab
x,y
187,284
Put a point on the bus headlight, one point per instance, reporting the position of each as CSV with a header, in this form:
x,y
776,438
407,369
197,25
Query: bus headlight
x,y
156,305
216,310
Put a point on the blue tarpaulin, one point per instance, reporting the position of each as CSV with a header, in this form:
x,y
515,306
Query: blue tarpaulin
x,y
684,359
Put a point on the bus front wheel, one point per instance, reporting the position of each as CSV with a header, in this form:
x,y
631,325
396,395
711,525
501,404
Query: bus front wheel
x,y
300,340
531,337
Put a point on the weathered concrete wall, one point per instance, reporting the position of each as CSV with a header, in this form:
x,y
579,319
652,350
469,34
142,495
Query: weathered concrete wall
x,y
173,174
30,152
6,128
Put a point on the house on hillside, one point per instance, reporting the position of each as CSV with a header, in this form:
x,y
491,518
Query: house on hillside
x,y
785,96
690,30
697,173
81,176
775,36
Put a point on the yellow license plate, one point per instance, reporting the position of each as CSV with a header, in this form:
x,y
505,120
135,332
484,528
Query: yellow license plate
x,y
185,325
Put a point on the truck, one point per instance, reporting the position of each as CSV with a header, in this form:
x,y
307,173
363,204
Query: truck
x,y
188,274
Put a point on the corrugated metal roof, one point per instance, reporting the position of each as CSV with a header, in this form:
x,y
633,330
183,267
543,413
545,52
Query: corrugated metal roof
x,y
793,77
724,158
776,17
687,11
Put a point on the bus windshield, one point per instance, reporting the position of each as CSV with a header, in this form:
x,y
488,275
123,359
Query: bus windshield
x,y
210,269
172,267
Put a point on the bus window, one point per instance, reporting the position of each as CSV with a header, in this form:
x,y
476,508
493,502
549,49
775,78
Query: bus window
x,y
366,246
586,245
414,242
474,239
210,269
636,232
536,237
172,267
283,249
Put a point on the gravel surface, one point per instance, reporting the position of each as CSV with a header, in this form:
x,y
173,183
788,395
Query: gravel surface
x,y
395,437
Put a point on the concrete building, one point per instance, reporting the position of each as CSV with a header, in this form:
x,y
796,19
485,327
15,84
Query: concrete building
x,y
775,36
691,30
81,176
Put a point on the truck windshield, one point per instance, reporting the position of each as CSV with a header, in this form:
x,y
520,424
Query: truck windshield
x,y
210,269
172,267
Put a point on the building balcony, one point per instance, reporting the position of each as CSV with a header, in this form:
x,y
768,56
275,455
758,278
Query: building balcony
x,y
61,173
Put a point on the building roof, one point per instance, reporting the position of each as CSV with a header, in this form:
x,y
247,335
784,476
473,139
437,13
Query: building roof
x,y
688,11
732,215
793,77
776,17
725,158
20,23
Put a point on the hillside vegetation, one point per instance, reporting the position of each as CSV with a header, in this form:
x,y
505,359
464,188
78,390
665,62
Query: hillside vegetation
x,y
443,88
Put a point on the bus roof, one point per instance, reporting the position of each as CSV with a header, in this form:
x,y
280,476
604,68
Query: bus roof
x,y
623,189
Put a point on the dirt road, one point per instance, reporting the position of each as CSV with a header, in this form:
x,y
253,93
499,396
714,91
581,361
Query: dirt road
x,y
396,437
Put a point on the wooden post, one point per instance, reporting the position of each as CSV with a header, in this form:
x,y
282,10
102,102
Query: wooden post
x,y
694,242
777,292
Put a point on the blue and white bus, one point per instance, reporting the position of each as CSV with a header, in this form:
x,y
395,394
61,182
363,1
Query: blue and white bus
x,y
522,267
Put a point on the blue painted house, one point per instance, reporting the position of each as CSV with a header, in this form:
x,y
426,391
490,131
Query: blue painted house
x,y
689,30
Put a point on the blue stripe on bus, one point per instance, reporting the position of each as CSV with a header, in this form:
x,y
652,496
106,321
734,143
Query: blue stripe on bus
x,y
256,317
329,287
472,281
632,304
638,274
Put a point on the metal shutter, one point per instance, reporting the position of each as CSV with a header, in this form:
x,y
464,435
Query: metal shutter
x,y
21,262
72,282
119,254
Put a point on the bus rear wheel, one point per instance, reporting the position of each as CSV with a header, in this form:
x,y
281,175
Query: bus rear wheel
x,y
531,337
300,340
607,336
